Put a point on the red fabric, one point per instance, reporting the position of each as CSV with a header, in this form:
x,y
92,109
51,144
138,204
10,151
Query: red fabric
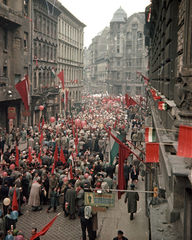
x,y
22,88
71,173
132,102
73,131
123,126
145,78
36,63
43,122
61,77
152,152
14,201
62,157
39,157
29,156
115,124
124,152
44,230
39,126
56,154
76,140
41,138
185,141
127,99
53,168
17,157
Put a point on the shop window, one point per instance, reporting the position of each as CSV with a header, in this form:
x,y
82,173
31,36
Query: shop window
x,y
26,3
25,41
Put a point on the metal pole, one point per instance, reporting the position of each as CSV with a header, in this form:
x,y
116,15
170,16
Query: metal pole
x,y
31,57
118,190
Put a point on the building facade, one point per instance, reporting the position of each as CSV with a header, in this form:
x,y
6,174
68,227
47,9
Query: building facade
x,y
168,38
14,57
31,39
70,54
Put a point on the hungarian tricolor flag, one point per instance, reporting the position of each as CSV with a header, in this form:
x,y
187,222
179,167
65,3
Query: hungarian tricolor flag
x,y
14,201
53,72
162,105
45,229
150,134
61,77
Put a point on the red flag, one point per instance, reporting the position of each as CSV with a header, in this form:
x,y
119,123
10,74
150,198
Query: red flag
x,y
185,141
45,229
14,201
132,102
73,131
29,155
39,157
124,152
115,124
123,126
17,156
39,126
61,77
152,152
53,168
41,138
76,143
43,122
56,154
72,121
127,100
22,88
62,157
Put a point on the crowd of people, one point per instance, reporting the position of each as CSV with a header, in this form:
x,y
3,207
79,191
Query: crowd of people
x,y
68,157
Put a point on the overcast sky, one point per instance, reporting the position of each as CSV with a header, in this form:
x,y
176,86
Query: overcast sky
x,y
97,14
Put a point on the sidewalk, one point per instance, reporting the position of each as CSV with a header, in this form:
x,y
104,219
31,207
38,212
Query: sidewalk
x,y
117,218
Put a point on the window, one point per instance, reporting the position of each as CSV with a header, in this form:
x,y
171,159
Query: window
x,y
51,54
39,52
44,52
134,26
35,21
25,41
129,49
128,90
35,50
44,25
128,75
40,22
5,38
118,75
5,2
48,27
118,63
138,90
26,7
117,48
47,53
129,36
4,71
139,35
51,29
17,78
55,54
39,78
128,63
118,38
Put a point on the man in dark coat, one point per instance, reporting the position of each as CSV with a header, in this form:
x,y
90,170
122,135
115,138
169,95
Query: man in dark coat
x,y
85,223
4,194
25,186
9,179
120,236
132,197
110,171
71,197
126,173
64,201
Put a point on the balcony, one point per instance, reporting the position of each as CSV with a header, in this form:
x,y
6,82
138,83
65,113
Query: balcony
x,y
9,18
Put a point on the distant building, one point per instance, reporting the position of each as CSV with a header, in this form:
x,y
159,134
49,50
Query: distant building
x,y
116,54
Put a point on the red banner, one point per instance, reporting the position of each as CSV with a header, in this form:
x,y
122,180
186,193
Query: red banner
x,y
185,142
152,152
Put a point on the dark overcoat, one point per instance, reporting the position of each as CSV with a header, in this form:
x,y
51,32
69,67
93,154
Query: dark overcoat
x,y
132,198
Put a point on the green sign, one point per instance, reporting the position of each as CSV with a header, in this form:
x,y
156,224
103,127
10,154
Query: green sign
x,y
96,199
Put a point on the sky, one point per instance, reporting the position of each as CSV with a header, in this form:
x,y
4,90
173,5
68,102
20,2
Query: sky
x,y
97,14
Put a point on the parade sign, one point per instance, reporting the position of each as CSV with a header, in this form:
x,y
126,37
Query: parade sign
x,y
11,113
96,199
98,209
